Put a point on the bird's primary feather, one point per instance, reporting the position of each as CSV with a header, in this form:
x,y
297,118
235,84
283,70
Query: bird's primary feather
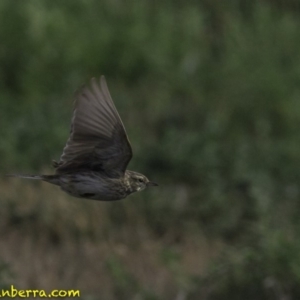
x,y
98,139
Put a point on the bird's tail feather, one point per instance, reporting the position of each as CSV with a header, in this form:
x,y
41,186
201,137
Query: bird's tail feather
x,y
25,176
54,179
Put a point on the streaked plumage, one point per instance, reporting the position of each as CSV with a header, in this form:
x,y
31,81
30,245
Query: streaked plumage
x,y
94,161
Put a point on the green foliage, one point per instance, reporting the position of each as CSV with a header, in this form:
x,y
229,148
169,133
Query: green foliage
x,y
265,270
5,275
126,285
209,93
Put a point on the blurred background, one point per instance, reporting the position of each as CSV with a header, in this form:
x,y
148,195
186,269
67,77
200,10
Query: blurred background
x,y
209,93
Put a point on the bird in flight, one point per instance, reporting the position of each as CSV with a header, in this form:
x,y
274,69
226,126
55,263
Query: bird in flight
x,y
94,161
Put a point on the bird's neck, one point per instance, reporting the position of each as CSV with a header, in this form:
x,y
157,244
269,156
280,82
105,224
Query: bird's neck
x,y
128,181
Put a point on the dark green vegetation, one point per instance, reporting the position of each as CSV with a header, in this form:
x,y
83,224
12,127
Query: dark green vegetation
x,y
210,96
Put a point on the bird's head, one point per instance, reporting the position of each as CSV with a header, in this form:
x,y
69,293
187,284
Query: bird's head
x,y
139,182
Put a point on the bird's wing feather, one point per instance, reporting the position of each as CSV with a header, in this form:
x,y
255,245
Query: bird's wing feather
x,y
98,140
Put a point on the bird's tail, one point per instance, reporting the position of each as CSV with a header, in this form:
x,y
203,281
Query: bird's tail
x,y
54,179
25,176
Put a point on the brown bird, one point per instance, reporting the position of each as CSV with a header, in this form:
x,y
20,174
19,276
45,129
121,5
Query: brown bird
x,y
94,160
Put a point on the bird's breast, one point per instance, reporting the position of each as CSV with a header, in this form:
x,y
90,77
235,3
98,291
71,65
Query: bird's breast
x,y
93,185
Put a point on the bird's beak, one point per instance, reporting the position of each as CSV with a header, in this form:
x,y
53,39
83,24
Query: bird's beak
x,y
150,183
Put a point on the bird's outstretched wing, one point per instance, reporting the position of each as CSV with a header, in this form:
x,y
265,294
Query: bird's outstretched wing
x,y
98,140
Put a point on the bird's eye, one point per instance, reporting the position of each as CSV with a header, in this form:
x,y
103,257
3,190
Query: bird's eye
x,y
140,180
